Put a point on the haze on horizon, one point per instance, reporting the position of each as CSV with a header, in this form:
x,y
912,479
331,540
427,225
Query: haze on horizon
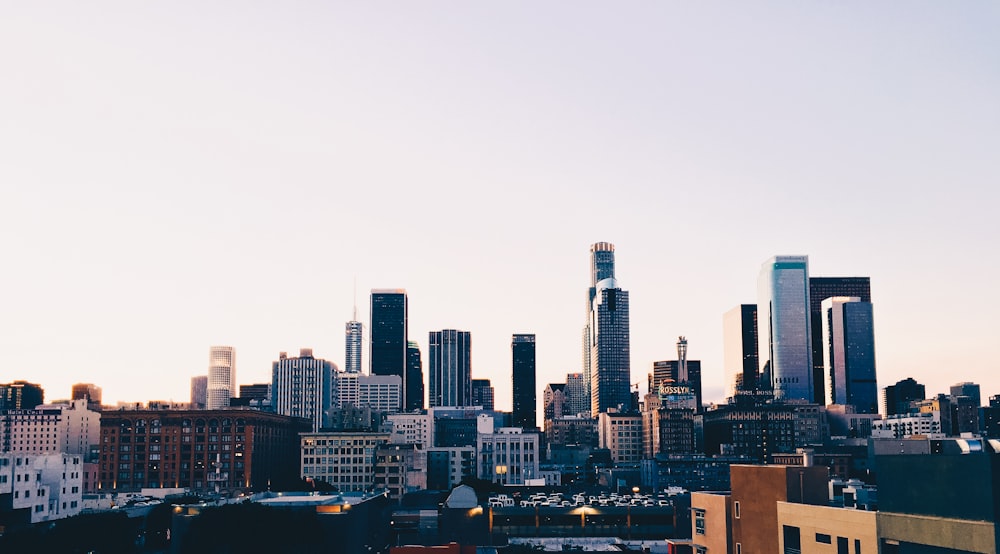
x,y
180,175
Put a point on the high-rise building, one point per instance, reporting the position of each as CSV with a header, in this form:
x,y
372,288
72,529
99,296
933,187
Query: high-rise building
x,y
896,398
352,345
602,266
20,395
522,349
256,391
608,362
449,368
554,402
89,391
968,389
784,327
388,333
199,392
679,374
414,378
482,393
221,377
849,353
821,288
577,398
739,337
303,387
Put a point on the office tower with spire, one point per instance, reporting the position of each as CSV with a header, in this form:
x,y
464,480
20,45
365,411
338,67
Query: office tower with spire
x,y
388,334
602,266
849,353
784,328
678,377
739,349
353,341
414,378
607,358
522,348
221,384
821,288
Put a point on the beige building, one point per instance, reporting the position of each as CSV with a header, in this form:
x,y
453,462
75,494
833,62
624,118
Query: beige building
x,y
622,434
344,460
826,530
711,519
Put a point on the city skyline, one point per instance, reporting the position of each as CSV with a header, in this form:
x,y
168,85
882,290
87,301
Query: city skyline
x,y
150,184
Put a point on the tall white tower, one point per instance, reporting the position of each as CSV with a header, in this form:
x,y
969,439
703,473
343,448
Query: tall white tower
x,y
221,377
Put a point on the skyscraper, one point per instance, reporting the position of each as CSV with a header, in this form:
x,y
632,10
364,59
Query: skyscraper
x,y
679,373
821,288
414,378
849,353
577,399
449,368
784,332
522,348
896,398
21,395
352,345
482,393
303,387
739,337
602,266
199,392
388,334
221,377
610,353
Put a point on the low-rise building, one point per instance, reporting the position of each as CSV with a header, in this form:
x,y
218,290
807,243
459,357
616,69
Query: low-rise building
x,y
508,456
621,433
37,488
810,529
344,460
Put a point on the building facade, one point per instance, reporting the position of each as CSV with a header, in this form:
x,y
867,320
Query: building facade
x,y
896,398
739,337
414,378
449,368
303,387
221,384
482,393
821,288
21,395
38,488
199,392
679,373
388,332
849,353
785,335
353,341
621,433
343,460
383,393
522,349
232,450
602,266
610,351
507,456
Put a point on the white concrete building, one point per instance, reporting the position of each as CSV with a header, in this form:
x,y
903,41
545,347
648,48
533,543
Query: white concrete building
x,y
902,426
507,456
70,428
382,393
412,429
221,377
45,487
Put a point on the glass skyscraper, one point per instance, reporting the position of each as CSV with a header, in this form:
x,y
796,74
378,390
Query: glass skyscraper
x,y
522,348
388,334
414,378
221,384
739,337
352,345
449,368
610,353
821,288
849,353
784,327
602,266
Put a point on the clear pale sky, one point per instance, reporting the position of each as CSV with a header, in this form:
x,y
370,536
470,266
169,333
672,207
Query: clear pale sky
x,y
176,175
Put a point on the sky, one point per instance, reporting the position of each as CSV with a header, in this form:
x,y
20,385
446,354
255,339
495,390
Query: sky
x,y
177,175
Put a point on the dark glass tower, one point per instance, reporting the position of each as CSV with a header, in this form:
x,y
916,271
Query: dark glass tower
x,y
610,352
849,353
21,395
522,349
388,334
739,337
821,288
449,368
898,397
414,378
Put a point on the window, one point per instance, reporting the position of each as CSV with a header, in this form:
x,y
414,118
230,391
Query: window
x,y
736,509
857,546
792,538
739,548
842,545
825,539
699,521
